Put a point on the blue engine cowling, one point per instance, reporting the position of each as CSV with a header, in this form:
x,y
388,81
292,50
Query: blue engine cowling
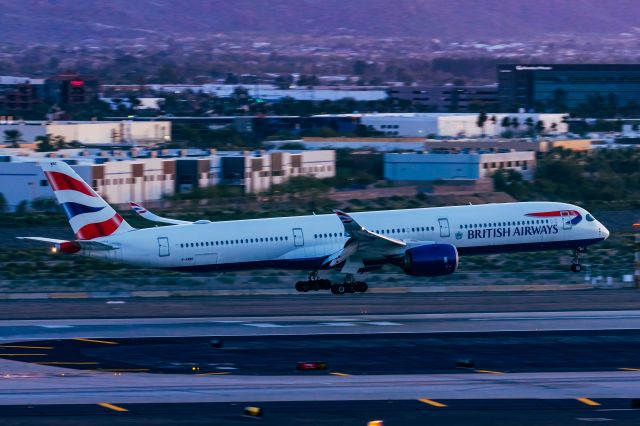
x,y
430,260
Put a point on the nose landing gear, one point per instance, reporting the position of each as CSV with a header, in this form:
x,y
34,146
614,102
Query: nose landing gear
x,y
576,266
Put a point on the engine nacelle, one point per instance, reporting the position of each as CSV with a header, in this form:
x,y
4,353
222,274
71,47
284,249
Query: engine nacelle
x,y
430,260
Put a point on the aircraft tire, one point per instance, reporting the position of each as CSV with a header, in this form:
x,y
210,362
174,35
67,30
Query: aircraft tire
x,y
338,289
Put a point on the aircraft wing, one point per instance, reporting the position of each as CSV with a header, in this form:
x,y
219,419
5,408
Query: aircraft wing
x,y
146,214
362,244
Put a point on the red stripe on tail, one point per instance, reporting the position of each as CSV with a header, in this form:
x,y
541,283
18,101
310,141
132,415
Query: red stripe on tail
x,y
60,182
101,229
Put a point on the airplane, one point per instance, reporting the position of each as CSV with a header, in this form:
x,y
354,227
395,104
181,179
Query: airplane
x,y
424,242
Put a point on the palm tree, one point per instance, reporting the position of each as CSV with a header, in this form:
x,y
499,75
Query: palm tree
x,y
482,119
13,138
44,143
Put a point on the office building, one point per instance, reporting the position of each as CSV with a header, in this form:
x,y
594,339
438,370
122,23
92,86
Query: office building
x,y
566,87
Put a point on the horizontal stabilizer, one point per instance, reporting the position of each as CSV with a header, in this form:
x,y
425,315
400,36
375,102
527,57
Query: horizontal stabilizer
x,y
72,246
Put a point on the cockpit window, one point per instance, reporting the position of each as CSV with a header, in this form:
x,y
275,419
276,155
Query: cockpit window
x,y
589,217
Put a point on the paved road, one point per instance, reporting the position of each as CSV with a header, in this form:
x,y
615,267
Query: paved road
x,y
323,304
515,412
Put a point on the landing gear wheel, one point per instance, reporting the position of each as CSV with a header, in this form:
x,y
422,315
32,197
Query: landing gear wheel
x,y
300,286
338,289
576,266
361,287
324,284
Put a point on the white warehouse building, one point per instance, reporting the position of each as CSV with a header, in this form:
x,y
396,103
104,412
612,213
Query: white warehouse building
x,y
145,133
120,177
457,125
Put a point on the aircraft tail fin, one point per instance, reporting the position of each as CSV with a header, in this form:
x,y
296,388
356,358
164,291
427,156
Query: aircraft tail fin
x,y
89,215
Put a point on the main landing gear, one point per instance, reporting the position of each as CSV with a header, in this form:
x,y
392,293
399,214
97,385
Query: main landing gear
x,y
314,283
576,266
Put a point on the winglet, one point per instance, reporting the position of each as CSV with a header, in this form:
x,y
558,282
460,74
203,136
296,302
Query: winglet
x,y
146,214
348,221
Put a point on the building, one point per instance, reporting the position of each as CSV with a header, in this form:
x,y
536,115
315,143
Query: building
x,y
95,132
365,143
566,87
448,98
456,125
142,175
266,92
70,89
19,94
463,166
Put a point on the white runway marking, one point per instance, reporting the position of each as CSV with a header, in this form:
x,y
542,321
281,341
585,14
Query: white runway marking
x,y
56,326
383,323
263,325
116,302
338,324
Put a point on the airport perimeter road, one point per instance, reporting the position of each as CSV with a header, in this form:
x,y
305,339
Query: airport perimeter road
x,y
322,303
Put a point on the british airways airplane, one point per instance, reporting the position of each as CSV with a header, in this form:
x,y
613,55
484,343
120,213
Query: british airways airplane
x,y
423,242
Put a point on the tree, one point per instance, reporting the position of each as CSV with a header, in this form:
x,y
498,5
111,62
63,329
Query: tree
x,y
515,123
231,79
505,122
59,142
482,119
3,203
44,143
539,127
13,138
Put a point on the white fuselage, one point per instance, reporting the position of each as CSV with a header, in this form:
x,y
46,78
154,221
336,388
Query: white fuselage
x,y
303,242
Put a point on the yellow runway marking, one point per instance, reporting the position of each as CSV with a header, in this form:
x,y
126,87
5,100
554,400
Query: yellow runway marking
x,y
66,363
629,369
588,401
25,347
216,373
24,354
432,402
112,407
339,374
489,372
106,342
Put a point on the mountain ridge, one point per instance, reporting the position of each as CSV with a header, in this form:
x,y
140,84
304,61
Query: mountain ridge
x,y
39,21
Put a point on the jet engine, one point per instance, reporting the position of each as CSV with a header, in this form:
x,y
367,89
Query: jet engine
x,y
430,260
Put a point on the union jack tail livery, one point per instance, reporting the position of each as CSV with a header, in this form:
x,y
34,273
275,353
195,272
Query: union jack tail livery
x,y
89,215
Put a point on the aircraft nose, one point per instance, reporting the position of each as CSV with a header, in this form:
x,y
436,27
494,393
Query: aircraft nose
x,y
604,231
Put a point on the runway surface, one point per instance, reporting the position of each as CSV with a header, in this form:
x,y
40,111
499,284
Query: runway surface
x,y
530,359
515,412
361,354
323,304
13,330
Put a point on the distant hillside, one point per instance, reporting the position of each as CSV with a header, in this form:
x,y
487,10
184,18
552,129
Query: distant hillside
x,y
73,20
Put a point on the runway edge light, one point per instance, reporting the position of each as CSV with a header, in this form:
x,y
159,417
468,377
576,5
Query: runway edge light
x,y
253,411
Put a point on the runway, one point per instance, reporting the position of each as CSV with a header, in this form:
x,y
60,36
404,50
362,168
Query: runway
x,y
532,367
514,412
13,330
322,304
